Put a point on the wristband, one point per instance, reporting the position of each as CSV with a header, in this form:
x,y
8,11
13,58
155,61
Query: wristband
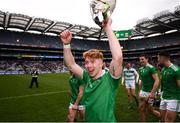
x,y
66,46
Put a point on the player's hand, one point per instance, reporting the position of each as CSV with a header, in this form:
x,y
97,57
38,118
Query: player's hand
x,y
75,107
66,37
107,23
138,93
151,95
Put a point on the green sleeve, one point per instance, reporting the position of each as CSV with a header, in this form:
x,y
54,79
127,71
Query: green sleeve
x,y
80,81
140,78
153,70
114,81
177,75
85,76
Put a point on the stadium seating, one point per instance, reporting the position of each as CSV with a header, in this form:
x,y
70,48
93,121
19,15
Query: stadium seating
x,y
39,40
47,50
26,66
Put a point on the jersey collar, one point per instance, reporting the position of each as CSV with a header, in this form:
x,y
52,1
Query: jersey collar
x,y
170,65
103,72
147,65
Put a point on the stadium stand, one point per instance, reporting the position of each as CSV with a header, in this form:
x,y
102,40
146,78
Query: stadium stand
x,y
26,66
21,50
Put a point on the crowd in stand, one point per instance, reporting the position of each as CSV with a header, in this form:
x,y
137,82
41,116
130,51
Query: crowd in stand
x,y
26,66
19,38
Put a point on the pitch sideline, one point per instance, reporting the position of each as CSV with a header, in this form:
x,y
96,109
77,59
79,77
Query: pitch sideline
x,y
40,94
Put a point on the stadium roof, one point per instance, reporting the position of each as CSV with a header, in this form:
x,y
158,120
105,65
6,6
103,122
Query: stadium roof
x,y
161,23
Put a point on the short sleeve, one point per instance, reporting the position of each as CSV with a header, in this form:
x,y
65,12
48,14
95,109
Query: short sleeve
x,y
80,81
153,70
177,75
140,78
85,76
114,81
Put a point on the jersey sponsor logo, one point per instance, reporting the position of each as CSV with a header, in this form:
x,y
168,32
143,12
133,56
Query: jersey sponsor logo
x,y
90,85
167,73
143,71
74,81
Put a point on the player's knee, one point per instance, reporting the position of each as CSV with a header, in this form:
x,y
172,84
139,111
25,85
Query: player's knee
x,y
70,118
141,107
133,95
170,118
150,110
82,117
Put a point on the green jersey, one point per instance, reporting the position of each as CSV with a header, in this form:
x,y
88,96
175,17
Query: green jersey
x,y
145,75
99,97
170,89
74,83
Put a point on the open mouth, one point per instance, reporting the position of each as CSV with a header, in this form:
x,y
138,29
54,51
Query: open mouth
x,y
91,71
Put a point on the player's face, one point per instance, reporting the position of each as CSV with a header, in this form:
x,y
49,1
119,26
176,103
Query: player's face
x,y
143,61
160,59
94,66
128,65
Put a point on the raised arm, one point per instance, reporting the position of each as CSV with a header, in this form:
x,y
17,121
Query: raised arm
x,y
66,37
117,57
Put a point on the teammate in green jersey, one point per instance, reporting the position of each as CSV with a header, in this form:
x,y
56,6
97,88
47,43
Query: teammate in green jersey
x,y
148,84
100,85
170,103
76,93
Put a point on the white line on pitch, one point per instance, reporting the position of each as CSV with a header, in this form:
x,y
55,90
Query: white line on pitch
x,y
14,97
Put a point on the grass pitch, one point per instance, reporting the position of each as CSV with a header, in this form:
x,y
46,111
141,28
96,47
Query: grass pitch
x,y
49,102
